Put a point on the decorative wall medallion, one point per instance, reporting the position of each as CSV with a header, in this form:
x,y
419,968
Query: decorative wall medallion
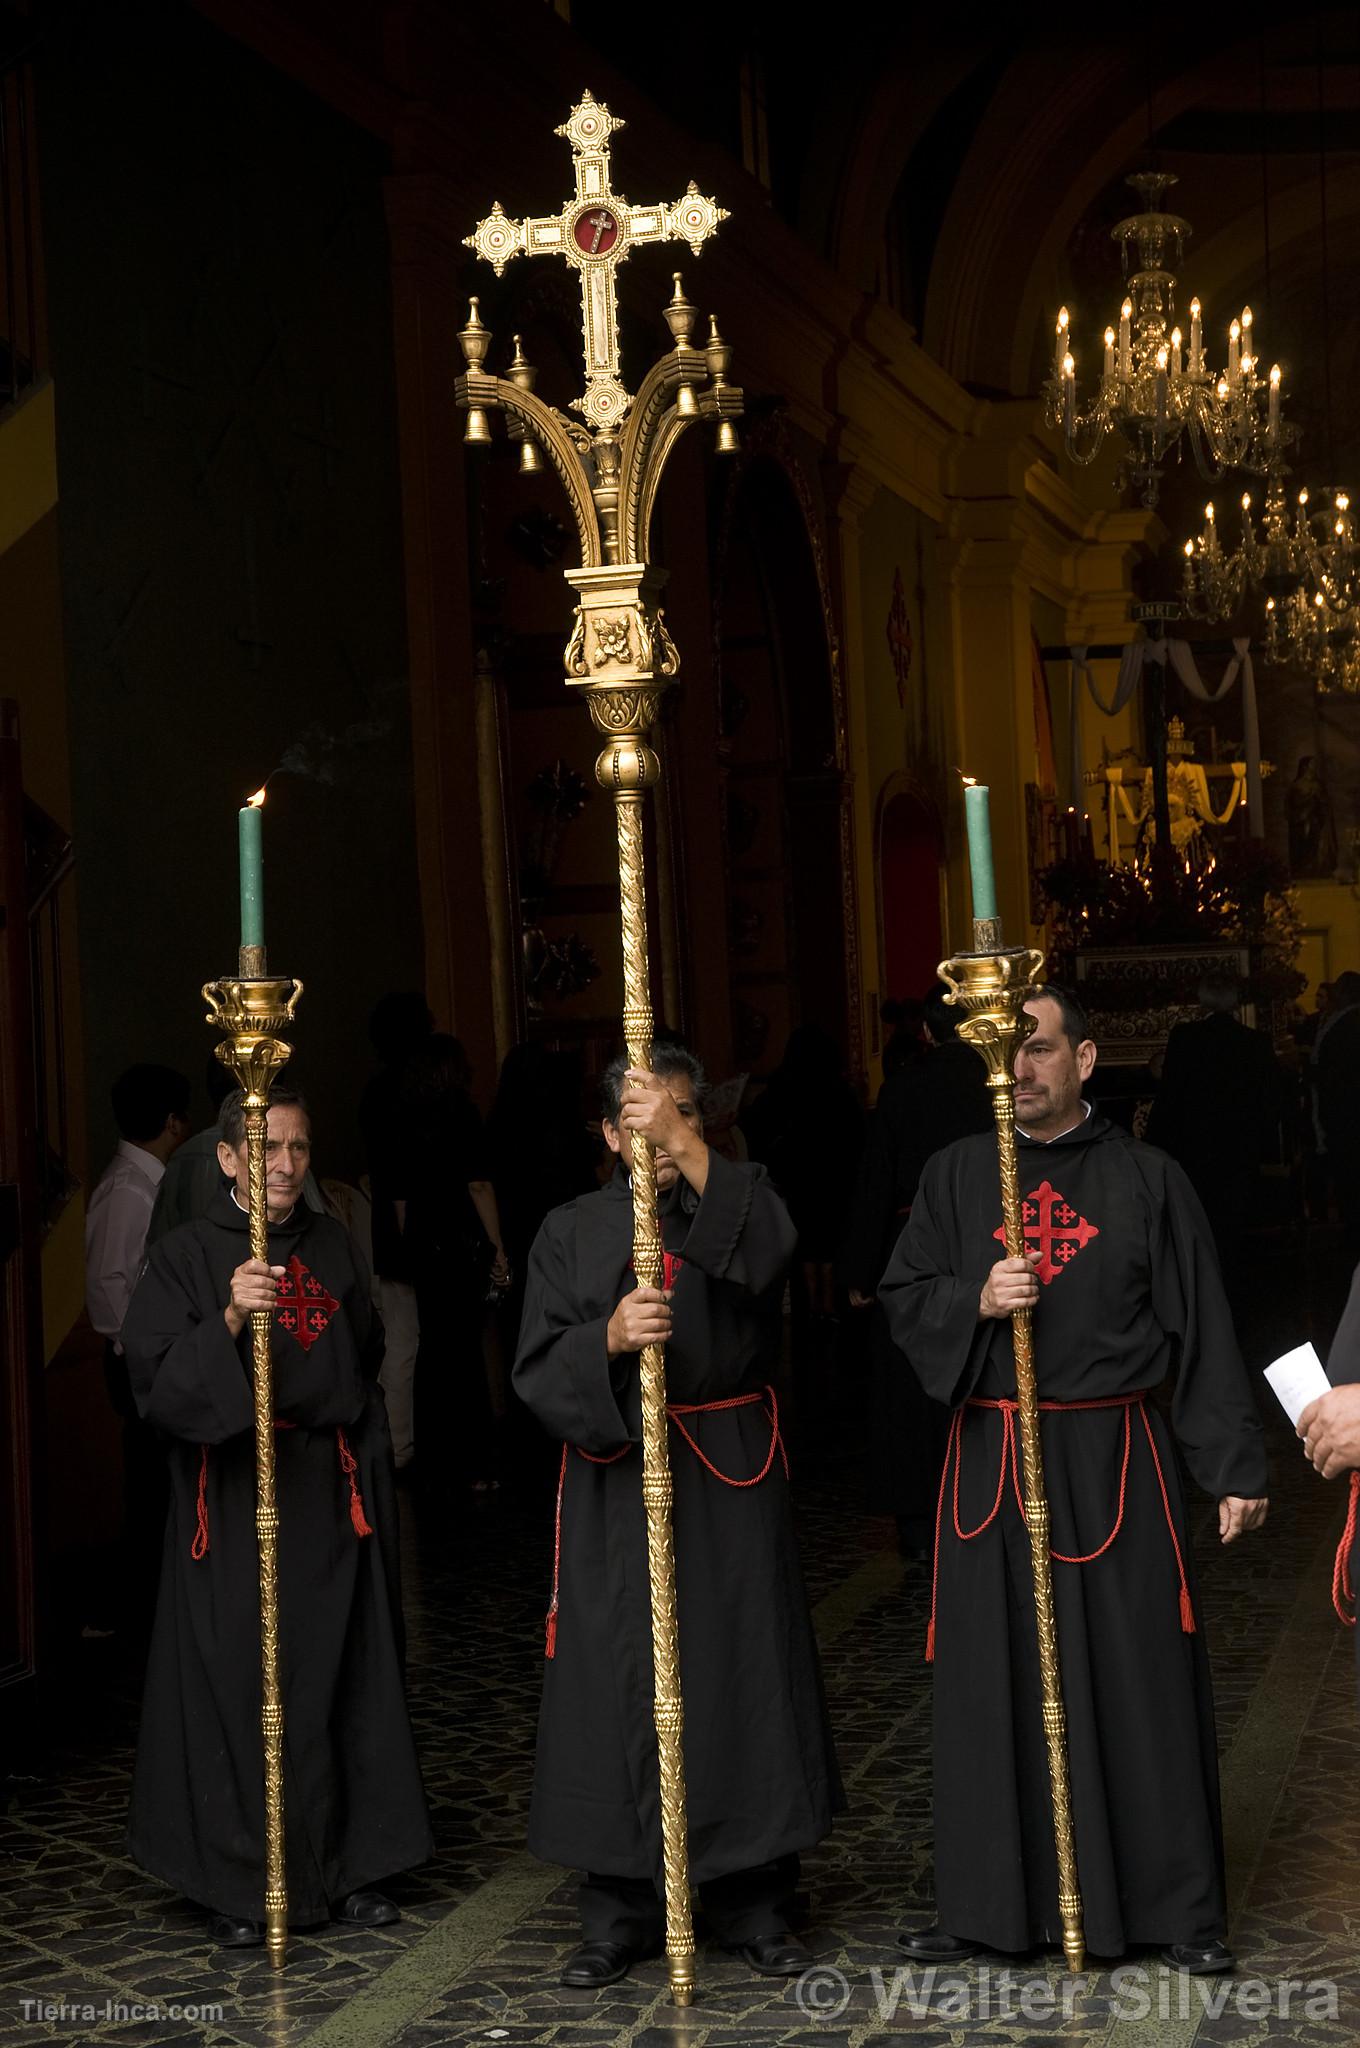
x,y
899,637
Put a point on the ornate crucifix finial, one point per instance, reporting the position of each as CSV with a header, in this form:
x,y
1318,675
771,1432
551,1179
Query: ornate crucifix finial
x,y
594,232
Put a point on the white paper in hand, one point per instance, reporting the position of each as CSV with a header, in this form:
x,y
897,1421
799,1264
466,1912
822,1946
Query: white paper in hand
x,y
1297,1379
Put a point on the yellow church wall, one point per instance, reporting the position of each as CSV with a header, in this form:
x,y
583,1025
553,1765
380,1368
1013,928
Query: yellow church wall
x,y
898,733
1331,932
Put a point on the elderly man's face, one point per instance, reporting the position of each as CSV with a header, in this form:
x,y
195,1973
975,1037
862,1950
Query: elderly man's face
x,y
680,1088
287,1155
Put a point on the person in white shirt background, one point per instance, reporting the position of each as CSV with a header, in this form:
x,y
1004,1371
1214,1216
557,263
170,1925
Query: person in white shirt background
x,y
151,1110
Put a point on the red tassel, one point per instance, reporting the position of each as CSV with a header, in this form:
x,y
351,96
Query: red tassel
x,y
349,1465
1343,1592
198,1549
1187,1612
930,1641
550,1634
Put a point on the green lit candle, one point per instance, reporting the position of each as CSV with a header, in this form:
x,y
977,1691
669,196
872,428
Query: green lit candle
x,y
250,822
979,821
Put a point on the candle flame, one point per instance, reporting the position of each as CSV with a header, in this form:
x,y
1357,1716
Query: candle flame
x,y
968,781
256,802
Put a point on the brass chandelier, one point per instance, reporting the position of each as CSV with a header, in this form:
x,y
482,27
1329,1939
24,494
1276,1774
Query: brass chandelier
x,y
1307,571
1155,391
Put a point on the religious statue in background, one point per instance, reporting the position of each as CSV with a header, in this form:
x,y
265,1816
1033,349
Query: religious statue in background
x,y
1191,804
1308,814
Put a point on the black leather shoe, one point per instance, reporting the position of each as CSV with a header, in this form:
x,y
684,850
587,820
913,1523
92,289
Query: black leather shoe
x,y
1200,1958
365,1909
775,1955
229,1933
933,1945
604,1962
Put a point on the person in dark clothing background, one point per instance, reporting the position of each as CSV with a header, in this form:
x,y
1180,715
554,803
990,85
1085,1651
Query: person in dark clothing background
x,y
539,1151
151,1109
907,1041
400,1024
921,1108
1217,1112
1336,1058
451,1234
807,1128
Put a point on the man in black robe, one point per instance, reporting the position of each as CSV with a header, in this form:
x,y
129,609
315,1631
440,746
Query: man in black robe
x,y
1120,1270
354,1810
760,1770
921,1108
1217,1112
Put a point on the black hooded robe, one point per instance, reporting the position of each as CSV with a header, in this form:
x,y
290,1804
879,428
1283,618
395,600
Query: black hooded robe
x,y
354,1809
1130,1289
760,1769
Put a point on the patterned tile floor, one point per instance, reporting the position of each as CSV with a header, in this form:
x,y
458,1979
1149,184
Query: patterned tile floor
x,y
89,1942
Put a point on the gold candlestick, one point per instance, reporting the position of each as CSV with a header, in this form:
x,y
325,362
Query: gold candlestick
x,y
993,985
251,1011
622,659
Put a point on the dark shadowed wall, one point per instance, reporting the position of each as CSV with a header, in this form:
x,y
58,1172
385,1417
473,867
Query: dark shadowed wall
x,y
230,544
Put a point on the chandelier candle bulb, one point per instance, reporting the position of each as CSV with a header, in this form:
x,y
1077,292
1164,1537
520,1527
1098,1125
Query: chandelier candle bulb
x,y
1060,343
250,837
1196,341
1273,419
978,818
1109,354
1234,352
1126,340
1160,397
1069,375
1176,351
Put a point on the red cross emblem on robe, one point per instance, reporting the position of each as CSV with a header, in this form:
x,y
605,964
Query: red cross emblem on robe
x,y
305,1305
1054,1229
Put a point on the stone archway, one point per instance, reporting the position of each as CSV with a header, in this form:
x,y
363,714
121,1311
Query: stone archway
x,y
781,751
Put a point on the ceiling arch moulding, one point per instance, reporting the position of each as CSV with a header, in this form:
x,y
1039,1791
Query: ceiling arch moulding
x,y
1022,146
1225,77
900,109
1026,169
1229,264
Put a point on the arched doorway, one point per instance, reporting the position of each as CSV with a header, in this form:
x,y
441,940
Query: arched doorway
x,y
910,854
780,751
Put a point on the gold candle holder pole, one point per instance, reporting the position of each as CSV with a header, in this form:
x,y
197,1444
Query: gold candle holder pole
x,y
992,985
622,659
251,1011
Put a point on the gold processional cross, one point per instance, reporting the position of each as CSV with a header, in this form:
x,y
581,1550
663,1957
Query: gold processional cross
x,y
594,232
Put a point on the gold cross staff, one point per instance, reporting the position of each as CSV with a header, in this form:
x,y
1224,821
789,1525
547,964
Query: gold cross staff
x,y
594,232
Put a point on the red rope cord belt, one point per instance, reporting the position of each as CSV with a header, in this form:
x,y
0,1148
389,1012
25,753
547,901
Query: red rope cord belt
x,y
1343,1592
349,1465
1009,1410
674,1411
